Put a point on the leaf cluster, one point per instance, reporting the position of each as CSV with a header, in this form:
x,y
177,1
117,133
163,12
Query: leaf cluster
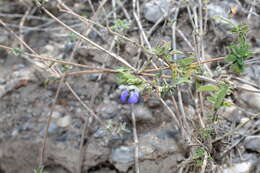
x,y
120,26
199,156
182,69
127,78
219,94
239,51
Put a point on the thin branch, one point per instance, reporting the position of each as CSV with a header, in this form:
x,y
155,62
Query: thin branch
x,y
49,122
123,61
231,132
135,142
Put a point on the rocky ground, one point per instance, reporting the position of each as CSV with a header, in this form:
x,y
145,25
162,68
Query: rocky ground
x,y
27,92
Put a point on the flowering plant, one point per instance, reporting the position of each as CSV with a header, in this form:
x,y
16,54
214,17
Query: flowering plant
x,y
129,94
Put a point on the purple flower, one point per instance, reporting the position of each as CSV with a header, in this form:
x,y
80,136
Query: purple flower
x,y
131,97
124,96
134,97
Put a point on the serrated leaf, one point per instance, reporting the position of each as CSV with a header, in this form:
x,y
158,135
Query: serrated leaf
x,y
208,87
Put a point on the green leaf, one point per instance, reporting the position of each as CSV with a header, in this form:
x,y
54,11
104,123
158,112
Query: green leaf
x,y
211,99
221,94
186,61
227,104
182,80
230,58
176,52
208,87
236,68
222,20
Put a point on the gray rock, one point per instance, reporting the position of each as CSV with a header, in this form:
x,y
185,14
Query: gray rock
x,y
15,132
253,143
93,77
64,121
155,9
153,102
250,98
123,157
53,129
108,110
253,73
2,81
142,113
130,48
56,115
100,133
222,9
219,13
244,167
246,157
257,169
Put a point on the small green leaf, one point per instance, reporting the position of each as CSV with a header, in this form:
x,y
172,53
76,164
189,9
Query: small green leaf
x,y
221,94
227,104
186,61
235,68
222,20
211,99
177,52
230,58
182,80
208,87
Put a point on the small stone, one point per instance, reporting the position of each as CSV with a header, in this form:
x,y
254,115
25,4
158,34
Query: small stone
x,y
130,48
64,121
244,120
15,132
99,133
253,73
27,126
93,35
156,9
93,77
2,81
257,170
53,129
116,141
250,98
108,110
222,9
62,138
253,143
56,115
244,167
153,102
142,113
123,154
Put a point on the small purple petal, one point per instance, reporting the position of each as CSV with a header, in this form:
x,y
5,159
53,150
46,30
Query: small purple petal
x,y
134,97
124,96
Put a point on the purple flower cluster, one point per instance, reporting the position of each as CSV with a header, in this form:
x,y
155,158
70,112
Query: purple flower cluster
x,y
130,97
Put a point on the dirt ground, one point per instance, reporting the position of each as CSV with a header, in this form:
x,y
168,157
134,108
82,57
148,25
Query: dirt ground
x,y
80,142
